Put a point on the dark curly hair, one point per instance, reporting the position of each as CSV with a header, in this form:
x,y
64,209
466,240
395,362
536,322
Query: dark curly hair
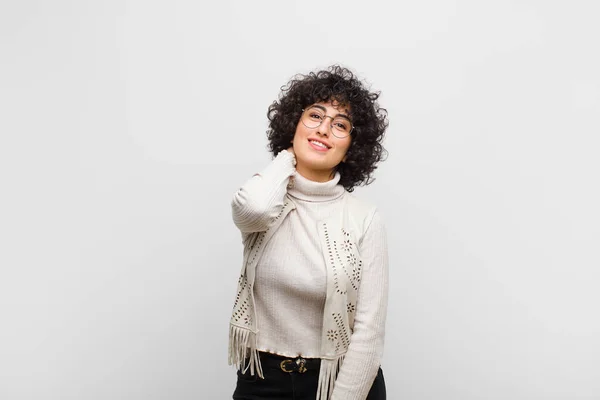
x,y
341,85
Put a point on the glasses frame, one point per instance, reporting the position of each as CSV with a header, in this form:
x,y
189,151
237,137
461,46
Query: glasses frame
x,y
331,126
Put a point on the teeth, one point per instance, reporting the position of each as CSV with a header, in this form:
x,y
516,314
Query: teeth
x,y
318,144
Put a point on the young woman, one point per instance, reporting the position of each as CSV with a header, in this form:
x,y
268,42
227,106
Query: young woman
x,y
309,316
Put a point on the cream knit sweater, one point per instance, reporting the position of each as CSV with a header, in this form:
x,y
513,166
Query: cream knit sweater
x,y
290,284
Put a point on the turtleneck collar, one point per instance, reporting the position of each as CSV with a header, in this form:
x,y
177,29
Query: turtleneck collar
x,y
305,189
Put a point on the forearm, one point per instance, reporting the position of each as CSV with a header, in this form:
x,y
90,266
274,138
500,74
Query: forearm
x,y
256,204
362,360
365,351
358,372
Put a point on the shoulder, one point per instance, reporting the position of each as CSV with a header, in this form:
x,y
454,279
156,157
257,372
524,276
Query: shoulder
x,y
361,212
360,206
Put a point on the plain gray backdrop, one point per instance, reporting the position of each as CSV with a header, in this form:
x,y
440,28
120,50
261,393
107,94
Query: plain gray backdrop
x,y
126,127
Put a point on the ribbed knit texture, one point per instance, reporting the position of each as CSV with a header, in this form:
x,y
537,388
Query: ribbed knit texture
x,y
291,279
290,284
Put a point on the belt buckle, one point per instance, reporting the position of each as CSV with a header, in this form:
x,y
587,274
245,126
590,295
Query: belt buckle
x,y
298,365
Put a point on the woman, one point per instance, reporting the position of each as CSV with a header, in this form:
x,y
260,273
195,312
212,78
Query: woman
x,y
309,317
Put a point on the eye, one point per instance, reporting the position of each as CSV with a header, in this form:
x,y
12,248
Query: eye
x,y
341,125
316,116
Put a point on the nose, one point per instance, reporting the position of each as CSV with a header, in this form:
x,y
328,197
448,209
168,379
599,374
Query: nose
x,y
325,127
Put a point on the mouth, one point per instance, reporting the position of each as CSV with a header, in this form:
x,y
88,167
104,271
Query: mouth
x,y
318,145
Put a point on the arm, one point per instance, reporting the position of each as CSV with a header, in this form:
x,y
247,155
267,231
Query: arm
x,y
363,359
259,200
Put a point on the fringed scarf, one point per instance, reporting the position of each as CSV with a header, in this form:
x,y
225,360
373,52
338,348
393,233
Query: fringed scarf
x,y
344,269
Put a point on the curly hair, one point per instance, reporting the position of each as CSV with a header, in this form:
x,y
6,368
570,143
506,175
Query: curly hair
x,y
342,86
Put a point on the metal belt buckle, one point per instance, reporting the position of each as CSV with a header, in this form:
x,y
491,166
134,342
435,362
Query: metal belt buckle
x,y
296,365
301,362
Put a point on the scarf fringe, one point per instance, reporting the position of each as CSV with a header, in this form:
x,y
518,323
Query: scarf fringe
x,y
327,376
242,350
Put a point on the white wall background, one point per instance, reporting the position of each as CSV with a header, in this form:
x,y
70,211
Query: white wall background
x,y
127,126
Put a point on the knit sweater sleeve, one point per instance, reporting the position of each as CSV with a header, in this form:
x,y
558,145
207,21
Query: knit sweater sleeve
x,y
363,358
256,204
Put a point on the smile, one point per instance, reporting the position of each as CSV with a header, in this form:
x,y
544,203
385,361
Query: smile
x,y
318,145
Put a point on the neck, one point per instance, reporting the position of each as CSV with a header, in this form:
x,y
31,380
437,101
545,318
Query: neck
x,y
315,175
306,189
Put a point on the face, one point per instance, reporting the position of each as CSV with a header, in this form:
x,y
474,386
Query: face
x,y
318,150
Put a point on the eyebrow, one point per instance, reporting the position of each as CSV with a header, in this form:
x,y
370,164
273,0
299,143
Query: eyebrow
x,y
325,111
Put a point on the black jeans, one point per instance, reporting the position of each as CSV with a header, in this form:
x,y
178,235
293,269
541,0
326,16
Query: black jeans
x,y
280,385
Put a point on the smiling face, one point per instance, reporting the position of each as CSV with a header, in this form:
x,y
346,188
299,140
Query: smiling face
x,y
318,150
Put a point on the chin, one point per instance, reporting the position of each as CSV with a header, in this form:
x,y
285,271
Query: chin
x,y
313,161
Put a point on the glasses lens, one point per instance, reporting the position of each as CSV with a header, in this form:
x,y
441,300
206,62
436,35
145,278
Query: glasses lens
x,y
341,127
312,117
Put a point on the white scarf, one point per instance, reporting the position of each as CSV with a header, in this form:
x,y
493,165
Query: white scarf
x,y
339,242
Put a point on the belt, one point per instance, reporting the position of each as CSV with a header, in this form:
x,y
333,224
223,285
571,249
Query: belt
x,y
289,364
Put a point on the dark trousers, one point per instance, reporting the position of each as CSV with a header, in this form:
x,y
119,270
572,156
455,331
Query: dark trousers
x,y
281,385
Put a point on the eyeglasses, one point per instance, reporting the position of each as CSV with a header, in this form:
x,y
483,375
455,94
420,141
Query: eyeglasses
x,y
313,117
